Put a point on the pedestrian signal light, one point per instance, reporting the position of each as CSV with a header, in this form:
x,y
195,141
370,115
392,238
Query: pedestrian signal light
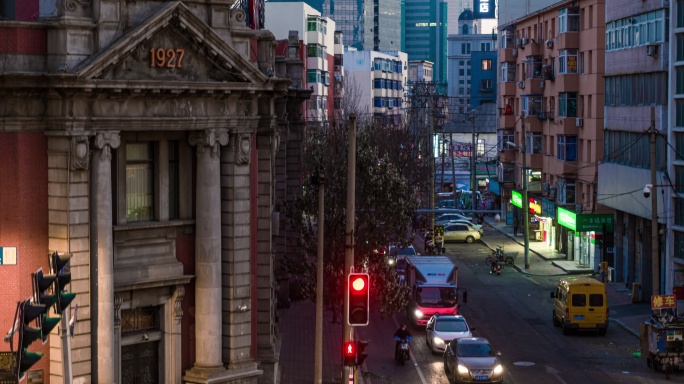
x,y
358,298
349,353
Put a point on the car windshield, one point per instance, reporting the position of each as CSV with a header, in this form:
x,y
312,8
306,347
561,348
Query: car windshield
x,y
436,297
451,325
475,350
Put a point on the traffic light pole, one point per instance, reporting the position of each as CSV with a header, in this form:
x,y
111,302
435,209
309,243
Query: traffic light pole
x,y
348,330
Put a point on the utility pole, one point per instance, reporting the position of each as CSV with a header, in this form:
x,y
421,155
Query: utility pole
x,y
348,330
442,145
473,167
655,246
526,199
318,355
431,146
453,167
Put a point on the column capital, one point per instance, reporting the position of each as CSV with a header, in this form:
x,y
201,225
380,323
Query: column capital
x,y
105,141
209,139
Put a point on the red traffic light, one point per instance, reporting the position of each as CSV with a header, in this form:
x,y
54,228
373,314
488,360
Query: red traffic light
x,y
359,284
358,298
350,349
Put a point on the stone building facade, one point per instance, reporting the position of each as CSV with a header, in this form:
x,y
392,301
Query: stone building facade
x,y
147,133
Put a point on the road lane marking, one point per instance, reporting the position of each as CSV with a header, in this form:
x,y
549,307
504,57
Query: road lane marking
x,y
413,359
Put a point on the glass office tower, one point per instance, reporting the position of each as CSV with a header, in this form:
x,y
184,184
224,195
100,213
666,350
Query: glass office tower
x,y
426,34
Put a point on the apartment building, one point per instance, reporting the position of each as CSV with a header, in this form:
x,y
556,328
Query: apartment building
x,y
550,133
459,63
380,79
641,114
318,35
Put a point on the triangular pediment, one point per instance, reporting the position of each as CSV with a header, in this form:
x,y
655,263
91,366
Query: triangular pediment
x,y
171,45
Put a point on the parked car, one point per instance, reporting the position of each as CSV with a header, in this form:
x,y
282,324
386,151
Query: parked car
x,y
441,329
472,360
461,232
443,219
477,227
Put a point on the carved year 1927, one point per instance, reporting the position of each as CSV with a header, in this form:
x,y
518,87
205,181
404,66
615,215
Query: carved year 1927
x,y
166,58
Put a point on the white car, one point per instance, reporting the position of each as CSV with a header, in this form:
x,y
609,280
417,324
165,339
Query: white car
x,y
477,227
441,329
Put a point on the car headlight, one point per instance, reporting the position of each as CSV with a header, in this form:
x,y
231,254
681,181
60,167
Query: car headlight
x,y
498,370
390,261
418,313
462,369
437,340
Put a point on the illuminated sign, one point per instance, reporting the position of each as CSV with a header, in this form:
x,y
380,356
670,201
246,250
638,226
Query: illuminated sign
x,y
566,218
535,207
516,199
663,301
585,222
484,9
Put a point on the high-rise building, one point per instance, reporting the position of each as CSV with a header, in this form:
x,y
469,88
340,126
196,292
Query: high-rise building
x,y
639,109
509,10
459,60
375,25
426,34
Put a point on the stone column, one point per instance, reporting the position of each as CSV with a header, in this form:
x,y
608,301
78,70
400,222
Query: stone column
x,y
103,245
208,303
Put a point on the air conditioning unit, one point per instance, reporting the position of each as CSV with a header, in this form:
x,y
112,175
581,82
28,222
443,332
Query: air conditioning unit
x,y
579,122
652,50
525,41
515,52
549,44
521,85
519,42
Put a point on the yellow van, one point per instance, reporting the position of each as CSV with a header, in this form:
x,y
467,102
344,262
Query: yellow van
x,y
580,303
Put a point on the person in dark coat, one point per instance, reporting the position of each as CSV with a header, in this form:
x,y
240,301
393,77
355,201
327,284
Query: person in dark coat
x,y
516,225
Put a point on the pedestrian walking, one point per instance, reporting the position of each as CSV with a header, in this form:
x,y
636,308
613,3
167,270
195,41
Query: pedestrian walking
x,y
516,225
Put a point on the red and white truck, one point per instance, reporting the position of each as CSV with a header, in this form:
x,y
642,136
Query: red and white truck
x,y
433,281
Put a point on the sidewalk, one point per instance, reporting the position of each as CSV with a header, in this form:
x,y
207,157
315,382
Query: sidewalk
x,y
545,261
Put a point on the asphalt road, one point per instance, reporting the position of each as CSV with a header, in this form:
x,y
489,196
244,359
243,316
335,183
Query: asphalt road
x,y
514,312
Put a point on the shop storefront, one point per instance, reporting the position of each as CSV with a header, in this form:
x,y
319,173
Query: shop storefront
x,y
585,236
537,224
548,225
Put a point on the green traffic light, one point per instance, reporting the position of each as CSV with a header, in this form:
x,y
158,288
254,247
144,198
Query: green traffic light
x,y
65,300
27,360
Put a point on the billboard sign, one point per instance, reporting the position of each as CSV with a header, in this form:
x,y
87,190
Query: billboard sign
x,y
484,9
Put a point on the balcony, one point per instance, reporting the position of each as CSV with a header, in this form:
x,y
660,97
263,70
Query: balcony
x,y
533,86
568,40
533,123
508,88
508,155
533,48
508,54
507,121
535,161
562,168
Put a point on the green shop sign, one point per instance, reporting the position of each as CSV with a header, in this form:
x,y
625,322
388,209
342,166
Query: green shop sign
x,y
516,199
585,222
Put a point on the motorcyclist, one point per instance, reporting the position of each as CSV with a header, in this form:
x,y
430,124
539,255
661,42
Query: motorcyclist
x,y
439,242
401,334
428,242
495,263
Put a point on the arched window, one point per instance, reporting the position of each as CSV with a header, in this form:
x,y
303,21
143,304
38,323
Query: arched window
x,y
464,29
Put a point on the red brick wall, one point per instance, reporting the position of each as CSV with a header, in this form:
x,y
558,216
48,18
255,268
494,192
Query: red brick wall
x,y
23,224
23,40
